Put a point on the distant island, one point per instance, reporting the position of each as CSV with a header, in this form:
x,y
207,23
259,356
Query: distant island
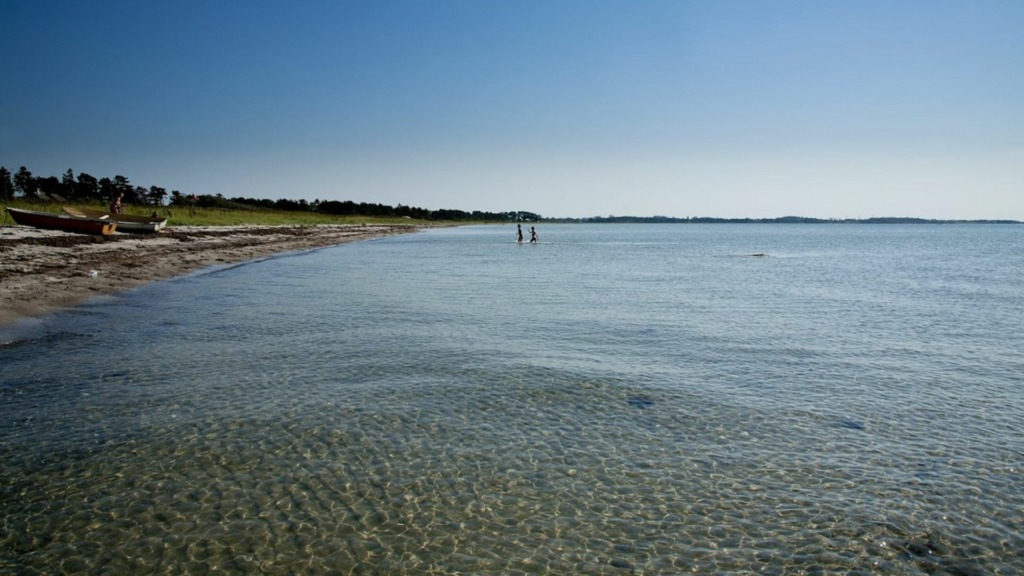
x,y
781,220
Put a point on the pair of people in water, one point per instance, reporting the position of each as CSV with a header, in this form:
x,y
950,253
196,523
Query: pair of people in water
x,y
519,234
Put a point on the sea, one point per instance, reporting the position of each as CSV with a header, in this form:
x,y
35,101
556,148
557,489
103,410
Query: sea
x,y
615,399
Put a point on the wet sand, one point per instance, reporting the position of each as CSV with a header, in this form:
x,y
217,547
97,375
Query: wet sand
x,y
42,271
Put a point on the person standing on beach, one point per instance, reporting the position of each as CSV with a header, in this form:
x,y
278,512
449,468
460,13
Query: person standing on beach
x,y
533,235
116,207
519,233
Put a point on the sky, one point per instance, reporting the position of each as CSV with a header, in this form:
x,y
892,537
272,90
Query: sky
x,y
566,108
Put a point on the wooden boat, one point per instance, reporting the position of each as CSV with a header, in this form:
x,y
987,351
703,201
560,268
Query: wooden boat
x,y
67,223
125,222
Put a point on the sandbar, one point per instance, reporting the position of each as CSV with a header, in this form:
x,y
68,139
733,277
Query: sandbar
x,y
42,271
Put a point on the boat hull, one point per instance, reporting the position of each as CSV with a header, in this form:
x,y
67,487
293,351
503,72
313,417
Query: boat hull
x,y
125,222
65,223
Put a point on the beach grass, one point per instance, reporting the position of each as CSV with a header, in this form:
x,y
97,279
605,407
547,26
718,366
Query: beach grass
x,y
185,216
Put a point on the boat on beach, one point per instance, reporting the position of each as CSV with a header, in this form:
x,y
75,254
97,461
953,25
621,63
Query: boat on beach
x,y
63,222
125,222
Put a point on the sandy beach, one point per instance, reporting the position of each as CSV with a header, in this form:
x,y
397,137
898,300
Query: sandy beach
x,y
42,271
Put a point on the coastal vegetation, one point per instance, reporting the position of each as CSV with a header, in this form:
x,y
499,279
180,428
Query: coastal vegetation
x,y
200,216
22,188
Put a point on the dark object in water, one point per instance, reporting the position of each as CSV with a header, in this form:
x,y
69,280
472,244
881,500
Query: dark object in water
x,y
851,425
640,402
760,255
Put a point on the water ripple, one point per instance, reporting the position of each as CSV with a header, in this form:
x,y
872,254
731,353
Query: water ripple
x,y
606,404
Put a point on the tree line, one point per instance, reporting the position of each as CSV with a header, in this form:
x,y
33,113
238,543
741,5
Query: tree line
x,y
88,188
84,188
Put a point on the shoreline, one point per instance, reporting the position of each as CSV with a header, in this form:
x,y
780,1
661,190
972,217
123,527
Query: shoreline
x,y
44,271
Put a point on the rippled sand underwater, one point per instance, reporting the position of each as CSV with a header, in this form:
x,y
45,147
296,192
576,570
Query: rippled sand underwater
x,y
361,436
577,478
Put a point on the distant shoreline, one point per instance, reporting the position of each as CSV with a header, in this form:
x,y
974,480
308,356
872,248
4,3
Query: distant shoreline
x,y
781,220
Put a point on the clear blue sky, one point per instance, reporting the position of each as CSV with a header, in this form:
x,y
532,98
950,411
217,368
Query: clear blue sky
x,y
721,108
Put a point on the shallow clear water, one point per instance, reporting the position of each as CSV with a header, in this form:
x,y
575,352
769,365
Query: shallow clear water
x,y
617,399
